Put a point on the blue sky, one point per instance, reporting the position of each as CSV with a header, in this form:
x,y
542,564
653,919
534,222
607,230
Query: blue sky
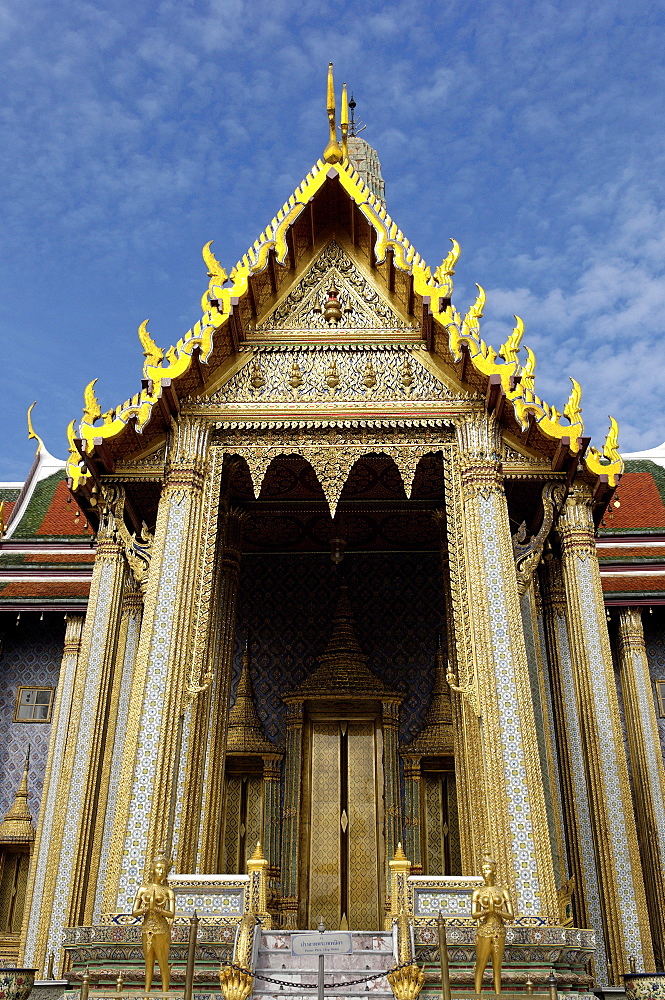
x,y
133,133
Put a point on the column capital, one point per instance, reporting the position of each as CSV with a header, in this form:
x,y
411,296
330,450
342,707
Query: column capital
x,y
552,594
479,436
631,629
575,526
187,455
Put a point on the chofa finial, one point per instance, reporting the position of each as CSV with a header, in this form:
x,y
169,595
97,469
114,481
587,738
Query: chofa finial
x,y
333,151
31,429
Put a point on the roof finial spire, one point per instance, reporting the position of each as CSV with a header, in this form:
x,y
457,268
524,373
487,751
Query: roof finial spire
x,y
333,151
31,429
344,122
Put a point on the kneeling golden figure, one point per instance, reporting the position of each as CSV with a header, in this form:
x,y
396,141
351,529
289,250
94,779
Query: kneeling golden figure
x,y
155,902
491,907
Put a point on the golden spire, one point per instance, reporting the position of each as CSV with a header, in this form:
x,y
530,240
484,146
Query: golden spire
x,y
16,827
31,429
344,122
437,735
333,151
343,671
244,732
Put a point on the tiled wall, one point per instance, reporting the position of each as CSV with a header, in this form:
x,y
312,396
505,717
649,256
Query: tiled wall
x,y
31,655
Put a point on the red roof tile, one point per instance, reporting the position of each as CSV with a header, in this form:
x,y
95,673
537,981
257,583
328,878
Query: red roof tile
x,y
641,505
629,583
59,516
29,588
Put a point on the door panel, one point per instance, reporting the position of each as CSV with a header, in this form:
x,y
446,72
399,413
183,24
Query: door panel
x,y
343,881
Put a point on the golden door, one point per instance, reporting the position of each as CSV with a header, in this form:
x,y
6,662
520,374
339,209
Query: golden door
x,y
343,837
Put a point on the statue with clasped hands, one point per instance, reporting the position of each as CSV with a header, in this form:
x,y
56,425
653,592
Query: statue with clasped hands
x,y
155,902
491,907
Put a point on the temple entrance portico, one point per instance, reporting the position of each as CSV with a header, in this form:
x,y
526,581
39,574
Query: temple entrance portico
x,y
345,605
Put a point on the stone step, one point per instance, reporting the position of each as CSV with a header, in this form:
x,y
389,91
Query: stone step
x,y
372,953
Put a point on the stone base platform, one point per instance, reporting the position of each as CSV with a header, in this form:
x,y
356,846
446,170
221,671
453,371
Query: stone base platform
x,y
531,953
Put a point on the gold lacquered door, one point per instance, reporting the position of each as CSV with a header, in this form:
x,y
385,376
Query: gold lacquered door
x,y
344,843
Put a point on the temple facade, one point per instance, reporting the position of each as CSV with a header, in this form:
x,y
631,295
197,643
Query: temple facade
x,y
330,585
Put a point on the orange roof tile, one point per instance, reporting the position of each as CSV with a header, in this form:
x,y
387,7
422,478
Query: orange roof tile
x,y
53,589
60,557
606,552
641,505
629,583
59,516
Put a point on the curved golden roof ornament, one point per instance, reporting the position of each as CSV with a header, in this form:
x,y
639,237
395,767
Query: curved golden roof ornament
x,y
333,151
91,408
573,409
153,355
31,430
510,350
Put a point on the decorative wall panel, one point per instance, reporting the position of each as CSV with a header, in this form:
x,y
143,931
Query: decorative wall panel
x,y
31,656
286,604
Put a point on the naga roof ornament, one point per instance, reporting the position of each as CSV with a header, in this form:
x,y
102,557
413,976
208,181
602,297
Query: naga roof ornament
x,y
163,370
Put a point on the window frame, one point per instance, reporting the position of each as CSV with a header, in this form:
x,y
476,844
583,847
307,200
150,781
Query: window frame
x,y
33,687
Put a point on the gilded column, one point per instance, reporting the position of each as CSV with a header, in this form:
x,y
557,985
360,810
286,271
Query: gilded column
x,y
58,769
391,784
647,767
155,742
291,814
272,770
619,873
412,811
587,905
205,657
544,729
130,627
511,815
212,812
72,864
465,720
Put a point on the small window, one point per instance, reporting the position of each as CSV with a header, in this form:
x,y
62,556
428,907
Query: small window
x,y
33,704
660,695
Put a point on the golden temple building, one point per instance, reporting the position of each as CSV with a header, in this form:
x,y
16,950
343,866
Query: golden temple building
x,y
336,581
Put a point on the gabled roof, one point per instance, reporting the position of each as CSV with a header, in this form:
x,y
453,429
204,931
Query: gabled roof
x,y
333,196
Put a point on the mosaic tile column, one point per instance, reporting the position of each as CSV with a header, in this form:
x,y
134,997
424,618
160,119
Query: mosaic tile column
x,y
512,814
469,768
647,767
545,735
212,811
412,779
204,660
162,673
391,785
130,627
587,906
67,879
618,868
291,815
33,951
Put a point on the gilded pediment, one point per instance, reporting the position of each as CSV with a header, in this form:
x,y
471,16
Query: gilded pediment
x,y
334,374
360,305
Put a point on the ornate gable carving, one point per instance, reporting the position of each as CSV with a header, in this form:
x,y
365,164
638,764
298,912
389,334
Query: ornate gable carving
x,y
336,374
361,305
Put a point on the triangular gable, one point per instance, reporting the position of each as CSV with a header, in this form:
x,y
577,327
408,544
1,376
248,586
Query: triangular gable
x,y
215,337
361,305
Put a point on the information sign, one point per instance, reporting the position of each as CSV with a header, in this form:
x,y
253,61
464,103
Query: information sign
x,y
328,943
